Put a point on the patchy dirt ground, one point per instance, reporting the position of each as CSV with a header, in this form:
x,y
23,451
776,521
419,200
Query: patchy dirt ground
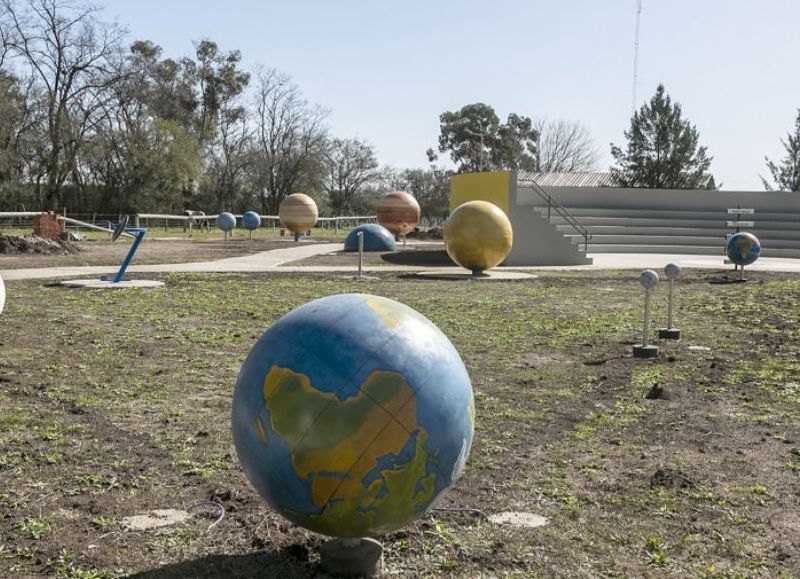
x,y
115,404
429,254
150,252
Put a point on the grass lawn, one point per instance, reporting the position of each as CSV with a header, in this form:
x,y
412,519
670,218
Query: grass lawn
x,y
116,403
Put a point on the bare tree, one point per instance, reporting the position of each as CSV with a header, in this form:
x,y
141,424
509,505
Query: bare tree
x,y
290,139
350,165
565,146
72,58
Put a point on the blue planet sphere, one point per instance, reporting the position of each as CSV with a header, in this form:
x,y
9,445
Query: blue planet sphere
x,y
352,414
376,238
226,221
251,220
743,248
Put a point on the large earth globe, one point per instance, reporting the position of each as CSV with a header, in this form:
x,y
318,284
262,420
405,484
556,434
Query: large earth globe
x,y
352,414
743,248
478,236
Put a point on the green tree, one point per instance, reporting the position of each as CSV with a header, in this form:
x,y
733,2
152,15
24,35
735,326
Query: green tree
x,y
786,174
663,150
431,188
477,141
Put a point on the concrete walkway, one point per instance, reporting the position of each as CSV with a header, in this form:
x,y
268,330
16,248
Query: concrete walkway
x,y
256,262
272,261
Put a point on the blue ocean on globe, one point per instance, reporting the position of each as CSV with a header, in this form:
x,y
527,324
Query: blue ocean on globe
x,y
376,238
743,248
352,414
251,220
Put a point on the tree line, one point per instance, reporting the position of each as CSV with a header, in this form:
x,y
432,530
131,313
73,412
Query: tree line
x,y
92,121
663,148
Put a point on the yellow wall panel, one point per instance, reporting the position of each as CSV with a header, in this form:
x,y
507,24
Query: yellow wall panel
x,y
494,187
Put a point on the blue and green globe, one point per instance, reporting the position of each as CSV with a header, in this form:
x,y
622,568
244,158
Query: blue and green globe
x,y
743,248
352,414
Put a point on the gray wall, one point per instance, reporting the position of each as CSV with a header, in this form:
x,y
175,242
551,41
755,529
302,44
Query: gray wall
x,y
673,199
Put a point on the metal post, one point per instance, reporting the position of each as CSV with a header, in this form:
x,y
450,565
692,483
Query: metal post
x,y
360,252
646,328
670,306
140,233
741,273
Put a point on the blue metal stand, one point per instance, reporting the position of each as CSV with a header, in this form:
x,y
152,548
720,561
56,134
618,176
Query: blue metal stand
x,y
139,232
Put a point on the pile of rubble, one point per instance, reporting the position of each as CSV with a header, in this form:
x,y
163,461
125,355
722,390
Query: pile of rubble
x,y
10,244
432,233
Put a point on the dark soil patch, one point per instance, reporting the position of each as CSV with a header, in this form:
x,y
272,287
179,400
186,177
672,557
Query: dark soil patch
x,y
149,253
422,255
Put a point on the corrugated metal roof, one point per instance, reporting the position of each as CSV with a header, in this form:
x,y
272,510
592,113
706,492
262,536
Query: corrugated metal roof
x,y
565,179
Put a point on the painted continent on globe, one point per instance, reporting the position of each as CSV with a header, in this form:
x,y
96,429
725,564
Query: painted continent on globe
x,y
352,414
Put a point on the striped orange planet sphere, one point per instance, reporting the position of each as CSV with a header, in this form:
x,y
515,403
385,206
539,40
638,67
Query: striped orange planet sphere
x,y
298,212
398,212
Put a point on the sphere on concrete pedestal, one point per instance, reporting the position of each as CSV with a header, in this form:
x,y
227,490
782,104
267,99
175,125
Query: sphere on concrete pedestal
x,y
352,414
226,221
376,238
743,248
478,236
672,271
298,213
2,295
398,212
648,279
251,220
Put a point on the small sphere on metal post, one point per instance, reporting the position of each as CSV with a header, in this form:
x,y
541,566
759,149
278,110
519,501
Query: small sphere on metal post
x,y
673,272
648,279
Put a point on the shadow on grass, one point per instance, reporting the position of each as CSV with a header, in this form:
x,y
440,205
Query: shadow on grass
x,y
287,564
436,258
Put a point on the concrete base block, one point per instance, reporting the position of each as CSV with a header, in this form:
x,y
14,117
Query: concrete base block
x,y
669,333
352,557
640,351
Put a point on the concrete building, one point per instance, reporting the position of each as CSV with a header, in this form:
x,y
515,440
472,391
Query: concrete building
x,y
559,219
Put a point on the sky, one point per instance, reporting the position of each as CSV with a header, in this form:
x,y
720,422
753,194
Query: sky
x,y
386,69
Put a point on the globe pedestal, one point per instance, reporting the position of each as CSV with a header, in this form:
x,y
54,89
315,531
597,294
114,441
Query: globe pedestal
x,y
648,351
669,333
352,557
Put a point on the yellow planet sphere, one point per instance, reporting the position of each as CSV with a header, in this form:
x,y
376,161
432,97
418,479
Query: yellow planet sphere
x,y
478,235
398,212
298,213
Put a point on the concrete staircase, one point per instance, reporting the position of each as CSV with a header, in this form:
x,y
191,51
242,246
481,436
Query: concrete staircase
x,y
656,230
533,229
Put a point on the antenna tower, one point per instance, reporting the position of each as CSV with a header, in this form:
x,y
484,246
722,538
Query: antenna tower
x,y
636,52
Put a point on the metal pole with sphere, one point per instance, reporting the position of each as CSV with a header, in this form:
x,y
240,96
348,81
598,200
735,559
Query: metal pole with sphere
x,y
360,252
673,272
648,280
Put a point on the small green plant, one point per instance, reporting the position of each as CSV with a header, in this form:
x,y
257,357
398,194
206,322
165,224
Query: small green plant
x,y
34,528
656,553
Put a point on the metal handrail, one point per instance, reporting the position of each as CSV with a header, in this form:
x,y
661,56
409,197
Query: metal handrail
x,y
552,203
